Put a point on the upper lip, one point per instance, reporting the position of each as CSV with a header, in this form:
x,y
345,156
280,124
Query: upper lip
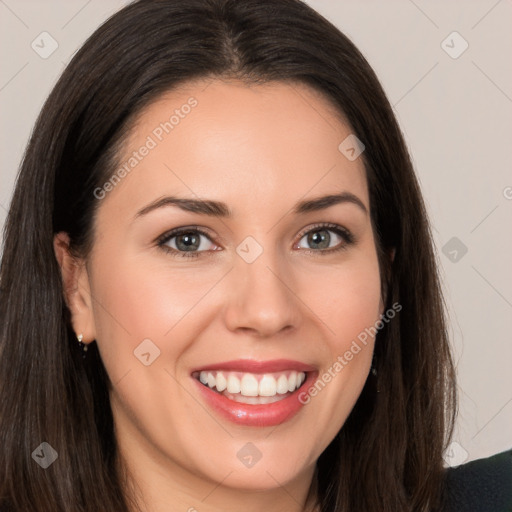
x,y
253,366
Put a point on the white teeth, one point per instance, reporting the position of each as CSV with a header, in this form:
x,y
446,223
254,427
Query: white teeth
x,y
249,385
221,383
292,381
253,385
282,385
268,386
233,384
254,400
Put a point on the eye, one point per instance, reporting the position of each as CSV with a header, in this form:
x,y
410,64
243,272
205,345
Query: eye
x,y
319,238
185,242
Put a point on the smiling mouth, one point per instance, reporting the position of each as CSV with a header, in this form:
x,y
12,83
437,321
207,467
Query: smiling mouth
x,y
252,388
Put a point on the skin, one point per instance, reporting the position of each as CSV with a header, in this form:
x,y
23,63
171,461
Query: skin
x,y
260,149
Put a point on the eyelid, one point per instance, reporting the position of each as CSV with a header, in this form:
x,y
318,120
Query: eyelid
x,y
328,226
164,237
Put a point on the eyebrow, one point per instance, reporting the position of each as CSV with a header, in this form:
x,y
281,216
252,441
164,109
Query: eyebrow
x,y
222,210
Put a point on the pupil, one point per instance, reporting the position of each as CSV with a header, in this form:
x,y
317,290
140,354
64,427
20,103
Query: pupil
x,y
188,240
318,239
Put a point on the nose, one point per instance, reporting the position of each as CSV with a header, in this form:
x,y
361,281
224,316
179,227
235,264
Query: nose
x,y
261,299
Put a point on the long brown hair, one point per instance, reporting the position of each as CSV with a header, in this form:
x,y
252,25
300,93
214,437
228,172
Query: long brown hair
x,y
388,454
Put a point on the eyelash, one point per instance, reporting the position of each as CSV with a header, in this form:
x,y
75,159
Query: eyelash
x,y
342,232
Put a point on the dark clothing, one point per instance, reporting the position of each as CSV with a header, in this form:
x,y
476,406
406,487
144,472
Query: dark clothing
x,y
483,485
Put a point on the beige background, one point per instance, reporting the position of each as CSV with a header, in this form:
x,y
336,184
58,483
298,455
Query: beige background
x,y
456,117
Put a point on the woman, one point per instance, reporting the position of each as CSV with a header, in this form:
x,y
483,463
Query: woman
x,y
172,336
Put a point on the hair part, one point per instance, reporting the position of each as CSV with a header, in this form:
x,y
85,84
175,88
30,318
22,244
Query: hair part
x,y
388,454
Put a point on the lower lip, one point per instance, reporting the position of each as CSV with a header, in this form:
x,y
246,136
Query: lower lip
x,y
260,415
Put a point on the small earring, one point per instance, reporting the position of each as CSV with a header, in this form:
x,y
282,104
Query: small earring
x,y
82,346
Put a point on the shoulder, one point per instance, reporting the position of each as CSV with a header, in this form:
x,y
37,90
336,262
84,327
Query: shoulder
x,y
483,485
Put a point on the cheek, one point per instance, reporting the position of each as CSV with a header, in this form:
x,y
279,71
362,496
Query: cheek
x,y
137,299
348,301
347,298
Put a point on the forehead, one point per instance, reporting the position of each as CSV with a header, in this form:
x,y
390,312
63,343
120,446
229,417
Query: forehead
x,y
238,143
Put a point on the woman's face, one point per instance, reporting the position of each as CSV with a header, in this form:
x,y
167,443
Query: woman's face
x,y
253,301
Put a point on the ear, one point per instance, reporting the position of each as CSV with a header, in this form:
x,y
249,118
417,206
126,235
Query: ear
x,y
76,288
